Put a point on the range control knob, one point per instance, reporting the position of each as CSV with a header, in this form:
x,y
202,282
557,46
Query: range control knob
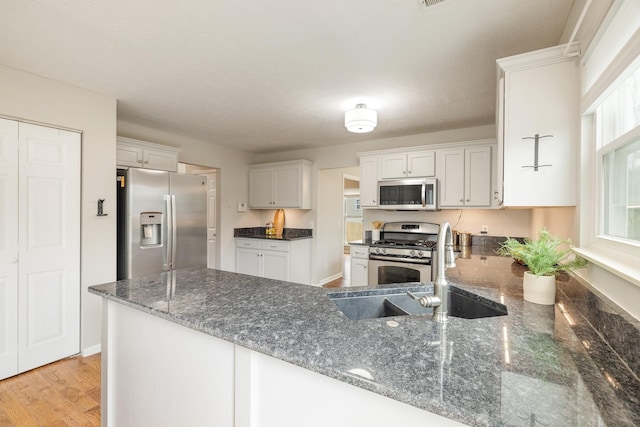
x,y
412,253
419,254
384,251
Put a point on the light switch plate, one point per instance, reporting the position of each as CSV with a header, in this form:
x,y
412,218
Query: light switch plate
x,y
242,207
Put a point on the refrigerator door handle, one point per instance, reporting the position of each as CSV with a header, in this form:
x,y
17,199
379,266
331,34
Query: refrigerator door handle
x,y
174,231
167,252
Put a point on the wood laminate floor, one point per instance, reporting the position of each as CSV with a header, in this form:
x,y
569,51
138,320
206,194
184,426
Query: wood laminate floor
x,y
63,393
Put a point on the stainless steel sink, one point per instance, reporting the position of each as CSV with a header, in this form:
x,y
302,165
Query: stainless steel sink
x,y
388,302
468,305
371,304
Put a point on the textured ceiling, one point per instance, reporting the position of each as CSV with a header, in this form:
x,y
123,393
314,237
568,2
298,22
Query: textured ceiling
x,y
271,76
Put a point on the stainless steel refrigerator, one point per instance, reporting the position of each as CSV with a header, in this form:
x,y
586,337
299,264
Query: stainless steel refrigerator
x,y
162,221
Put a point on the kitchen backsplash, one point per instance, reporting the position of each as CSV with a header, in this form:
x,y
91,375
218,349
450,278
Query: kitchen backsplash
x,y
617,327
515,222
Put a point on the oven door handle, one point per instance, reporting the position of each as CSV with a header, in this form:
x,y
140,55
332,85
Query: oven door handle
x,y
424,194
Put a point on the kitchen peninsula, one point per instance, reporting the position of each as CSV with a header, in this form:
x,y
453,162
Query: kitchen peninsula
x,y
202,345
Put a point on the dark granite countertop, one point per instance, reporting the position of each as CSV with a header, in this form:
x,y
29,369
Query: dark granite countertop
x,y
260,233
539,365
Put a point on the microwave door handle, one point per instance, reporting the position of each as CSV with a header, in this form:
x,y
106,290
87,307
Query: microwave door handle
x,y
424,195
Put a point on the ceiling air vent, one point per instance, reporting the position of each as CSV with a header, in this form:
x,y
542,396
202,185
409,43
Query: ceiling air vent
x,y
427,3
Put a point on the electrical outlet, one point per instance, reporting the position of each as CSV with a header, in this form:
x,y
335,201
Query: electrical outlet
x,y
484,229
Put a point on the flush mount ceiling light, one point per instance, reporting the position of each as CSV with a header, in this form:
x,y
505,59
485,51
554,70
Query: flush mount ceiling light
x,y
360,119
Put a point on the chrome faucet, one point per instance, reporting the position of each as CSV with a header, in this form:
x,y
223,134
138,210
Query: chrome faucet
x,y
446,259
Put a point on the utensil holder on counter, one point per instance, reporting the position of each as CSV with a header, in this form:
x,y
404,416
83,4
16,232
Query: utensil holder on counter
x,y
375,235
465,239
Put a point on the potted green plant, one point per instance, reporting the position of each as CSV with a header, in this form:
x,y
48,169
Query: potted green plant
x,y
545,257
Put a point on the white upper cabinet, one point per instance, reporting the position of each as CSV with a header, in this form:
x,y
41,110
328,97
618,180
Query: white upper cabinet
x,y
408,165
465,171
538,118
142,154
369,181
280,185
464,176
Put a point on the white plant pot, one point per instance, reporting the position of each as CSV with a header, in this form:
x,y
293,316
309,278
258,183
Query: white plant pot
x,y
539,289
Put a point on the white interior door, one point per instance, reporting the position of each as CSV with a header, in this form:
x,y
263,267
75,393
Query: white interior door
x,y
212,253
49,245
8,248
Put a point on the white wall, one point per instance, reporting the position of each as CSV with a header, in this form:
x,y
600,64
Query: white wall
x,y
330,223
561,221
30,97
233,181
346,155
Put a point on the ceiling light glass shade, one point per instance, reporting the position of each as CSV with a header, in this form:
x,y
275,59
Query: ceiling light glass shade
x,y
361,119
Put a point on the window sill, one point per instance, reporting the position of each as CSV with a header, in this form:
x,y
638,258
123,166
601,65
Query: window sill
x,y
619,263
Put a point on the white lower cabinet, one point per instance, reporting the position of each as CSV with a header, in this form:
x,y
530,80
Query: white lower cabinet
x,y
274,259
218,383
359,265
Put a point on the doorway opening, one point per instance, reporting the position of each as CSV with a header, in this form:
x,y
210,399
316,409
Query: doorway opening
x,y
352,210
212,175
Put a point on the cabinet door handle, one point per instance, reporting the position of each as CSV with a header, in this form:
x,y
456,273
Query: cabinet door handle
x,y
468,200
461,200
146,162
139,161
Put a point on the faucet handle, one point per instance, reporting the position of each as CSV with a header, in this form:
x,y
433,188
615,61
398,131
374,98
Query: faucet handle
x,y
426,300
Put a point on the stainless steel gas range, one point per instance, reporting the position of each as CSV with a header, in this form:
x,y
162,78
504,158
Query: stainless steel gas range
x,y
405,253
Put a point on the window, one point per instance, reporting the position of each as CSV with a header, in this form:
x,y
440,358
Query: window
x,y
618,143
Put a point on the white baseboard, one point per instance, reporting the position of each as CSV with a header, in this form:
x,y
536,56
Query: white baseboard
x,y
90,351
330,279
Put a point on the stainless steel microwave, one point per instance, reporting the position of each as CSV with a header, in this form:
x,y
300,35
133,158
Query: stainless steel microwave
x,y
419,194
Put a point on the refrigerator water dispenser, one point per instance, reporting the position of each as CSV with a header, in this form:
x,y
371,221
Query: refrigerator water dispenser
x,y
150,229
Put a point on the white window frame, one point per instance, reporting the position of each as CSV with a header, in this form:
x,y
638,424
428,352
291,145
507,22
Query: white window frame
x,y
629,137
621,257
